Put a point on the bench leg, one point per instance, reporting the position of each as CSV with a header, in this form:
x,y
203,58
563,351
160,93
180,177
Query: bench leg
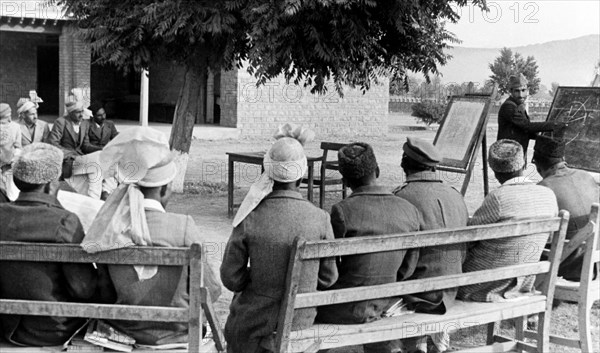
x,y
520,323
585,334
492,331
543,332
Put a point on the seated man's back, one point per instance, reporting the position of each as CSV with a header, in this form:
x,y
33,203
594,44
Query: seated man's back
x,y
516,199
37,216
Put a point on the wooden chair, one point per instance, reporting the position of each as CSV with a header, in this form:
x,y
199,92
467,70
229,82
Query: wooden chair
x,y
585,292
327,165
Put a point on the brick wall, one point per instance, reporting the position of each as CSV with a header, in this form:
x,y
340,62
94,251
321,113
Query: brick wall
x,y
260,110
18,65
228,98
74,65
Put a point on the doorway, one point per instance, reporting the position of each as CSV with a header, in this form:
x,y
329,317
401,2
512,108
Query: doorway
x,y
47,78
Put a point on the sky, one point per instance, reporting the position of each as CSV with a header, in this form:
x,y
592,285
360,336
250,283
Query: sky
x,y
512,23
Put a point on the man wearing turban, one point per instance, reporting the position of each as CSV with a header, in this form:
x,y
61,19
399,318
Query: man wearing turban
x,y
516,199
69,132
36,216
134,215
32,129
370,210
270,217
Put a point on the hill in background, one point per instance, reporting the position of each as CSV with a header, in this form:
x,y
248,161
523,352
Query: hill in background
x,y
568,62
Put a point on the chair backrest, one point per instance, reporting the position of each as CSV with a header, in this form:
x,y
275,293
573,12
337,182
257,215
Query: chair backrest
x,y
327,147
138,255
304,251
591,257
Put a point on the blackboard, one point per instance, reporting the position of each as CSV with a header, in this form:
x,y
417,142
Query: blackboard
x,y
580,108
461,130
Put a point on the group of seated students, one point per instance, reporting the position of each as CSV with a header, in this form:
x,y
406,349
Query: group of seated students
x,y
73,134
273,213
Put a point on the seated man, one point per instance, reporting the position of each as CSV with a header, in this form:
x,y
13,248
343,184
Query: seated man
x,y
441,206
575,192
255,261
135,214
10,147
68,133
100,130
370,210
37,216
32,129
516,199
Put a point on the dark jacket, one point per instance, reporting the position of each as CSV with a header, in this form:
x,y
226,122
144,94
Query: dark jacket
x,y
368,211
441,206
255,266
514,124
575,192
39,218
64,136
98,136
168,287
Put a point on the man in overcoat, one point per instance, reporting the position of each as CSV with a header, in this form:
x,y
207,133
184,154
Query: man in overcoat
x,y
513,119
575,192
256,257
36,216
441,206
370,210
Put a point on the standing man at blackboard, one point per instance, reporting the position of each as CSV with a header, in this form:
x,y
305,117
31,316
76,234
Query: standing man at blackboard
x,y
513,120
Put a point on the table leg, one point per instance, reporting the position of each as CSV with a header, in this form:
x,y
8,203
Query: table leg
x,y
230,188
310,181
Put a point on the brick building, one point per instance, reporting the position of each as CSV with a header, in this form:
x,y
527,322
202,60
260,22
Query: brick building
x,y
38,50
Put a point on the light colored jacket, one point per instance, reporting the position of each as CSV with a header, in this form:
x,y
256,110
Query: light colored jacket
x,y
41,132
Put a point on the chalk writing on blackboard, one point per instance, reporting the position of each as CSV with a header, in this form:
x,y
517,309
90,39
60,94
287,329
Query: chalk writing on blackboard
x,y
580,108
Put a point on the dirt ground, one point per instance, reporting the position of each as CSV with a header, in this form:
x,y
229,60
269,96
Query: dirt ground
x,y
205,199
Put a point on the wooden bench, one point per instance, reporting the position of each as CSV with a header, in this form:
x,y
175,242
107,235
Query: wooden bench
x,y
462,315
71,253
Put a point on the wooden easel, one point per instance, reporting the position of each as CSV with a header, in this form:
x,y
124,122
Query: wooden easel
x,y
466,165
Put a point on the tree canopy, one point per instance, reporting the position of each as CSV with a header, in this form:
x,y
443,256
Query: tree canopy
x,y
507,64
350,42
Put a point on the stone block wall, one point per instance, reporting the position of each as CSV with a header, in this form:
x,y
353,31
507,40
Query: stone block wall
x,y
260,110
74,65
18,65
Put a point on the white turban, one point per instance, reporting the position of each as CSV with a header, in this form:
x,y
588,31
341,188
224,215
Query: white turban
x,y
25,107
73,106
141,156
285,162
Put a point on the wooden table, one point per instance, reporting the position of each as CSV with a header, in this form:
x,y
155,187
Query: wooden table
x,y
257,158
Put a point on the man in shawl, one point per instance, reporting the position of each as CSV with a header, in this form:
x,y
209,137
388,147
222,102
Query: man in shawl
x,y
516,199
10,147
270,217
37,217
370,210
575,192
135,215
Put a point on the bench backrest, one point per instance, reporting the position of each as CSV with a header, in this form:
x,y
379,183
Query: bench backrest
x,y
304,251
137,255
591,258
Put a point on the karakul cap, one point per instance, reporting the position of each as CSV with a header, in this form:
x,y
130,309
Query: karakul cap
x,y
357,160
39,163
516,81
506,156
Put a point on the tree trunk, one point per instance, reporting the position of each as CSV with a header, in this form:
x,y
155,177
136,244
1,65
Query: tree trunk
x,y
191,103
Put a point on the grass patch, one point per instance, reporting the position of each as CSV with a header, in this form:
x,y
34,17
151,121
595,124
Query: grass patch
x,y
204,187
